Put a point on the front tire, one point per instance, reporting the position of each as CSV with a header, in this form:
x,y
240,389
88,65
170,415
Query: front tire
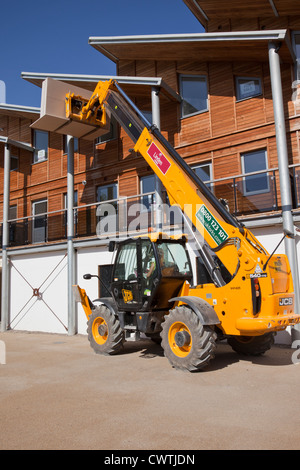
x,y
251,345
187,344
104,331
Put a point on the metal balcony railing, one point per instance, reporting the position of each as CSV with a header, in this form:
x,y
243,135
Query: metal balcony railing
x,y
246,195
257,192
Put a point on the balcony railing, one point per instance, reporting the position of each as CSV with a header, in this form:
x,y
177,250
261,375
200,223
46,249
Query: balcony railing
x,y
256,192
246,195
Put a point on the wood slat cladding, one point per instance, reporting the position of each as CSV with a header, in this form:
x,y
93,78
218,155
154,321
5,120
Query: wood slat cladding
x,y
236,9
230,49
221,90
212,12
54,156
15,127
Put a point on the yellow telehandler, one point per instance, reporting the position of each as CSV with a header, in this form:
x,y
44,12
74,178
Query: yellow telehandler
x,y
245,294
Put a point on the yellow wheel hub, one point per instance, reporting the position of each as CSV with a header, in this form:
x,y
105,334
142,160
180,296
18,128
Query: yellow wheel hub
x,y
100,330
180,339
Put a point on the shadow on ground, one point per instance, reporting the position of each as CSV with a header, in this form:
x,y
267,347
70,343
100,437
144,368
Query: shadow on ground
x,y
277,356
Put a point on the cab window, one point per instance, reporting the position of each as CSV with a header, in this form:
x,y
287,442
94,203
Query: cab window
x,y
173,259
126,264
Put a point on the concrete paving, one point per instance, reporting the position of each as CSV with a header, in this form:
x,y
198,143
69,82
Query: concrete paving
x,y
56,393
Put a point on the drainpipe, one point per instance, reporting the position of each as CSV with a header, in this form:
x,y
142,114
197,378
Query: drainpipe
x,y
5,241
284,176
158,184
72,327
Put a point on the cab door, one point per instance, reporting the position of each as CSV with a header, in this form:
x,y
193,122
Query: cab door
x,y
127,279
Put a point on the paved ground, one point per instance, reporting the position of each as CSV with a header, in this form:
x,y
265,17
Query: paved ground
x,y
56,393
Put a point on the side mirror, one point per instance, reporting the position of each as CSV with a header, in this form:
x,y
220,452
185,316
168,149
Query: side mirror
x,y
87,276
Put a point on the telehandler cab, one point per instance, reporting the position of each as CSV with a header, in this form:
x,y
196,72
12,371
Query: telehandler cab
x,y
245,294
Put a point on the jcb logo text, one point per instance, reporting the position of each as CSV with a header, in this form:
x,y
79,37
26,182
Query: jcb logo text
x,y
286,301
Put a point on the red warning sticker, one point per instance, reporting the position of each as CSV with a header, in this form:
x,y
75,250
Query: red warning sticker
x,y
158,158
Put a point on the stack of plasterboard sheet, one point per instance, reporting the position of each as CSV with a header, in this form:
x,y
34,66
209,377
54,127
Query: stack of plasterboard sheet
x,y
53,115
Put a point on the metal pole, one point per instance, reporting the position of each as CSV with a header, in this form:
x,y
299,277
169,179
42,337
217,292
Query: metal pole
x,y
5,241
284,176
158,184
72,327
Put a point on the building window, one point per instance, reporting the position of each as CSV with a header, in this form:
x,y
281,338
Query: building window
x,y
247,87
107,214
193,90
39,223
254,162
110,135
14,163
65,217
12,215
65,144
297,52
75,202
107,192
147,185
148,116
204,171
41,146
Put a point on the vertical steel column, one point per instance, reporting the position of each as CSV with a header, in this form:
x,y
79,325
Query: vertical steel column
x,y
72,327
284,177
5,241
158,184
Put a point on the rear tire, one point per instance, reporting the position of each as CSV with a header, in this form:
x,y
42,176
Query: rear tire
x,y
251,345
187,344
104,331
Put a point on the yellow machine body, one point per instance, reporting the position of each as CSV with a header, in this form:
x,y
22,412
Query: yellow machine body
x,y
254,273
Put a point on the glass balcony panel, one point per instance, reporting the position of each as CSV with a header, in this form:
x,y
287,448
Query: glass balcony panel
x,y
226,190
256,194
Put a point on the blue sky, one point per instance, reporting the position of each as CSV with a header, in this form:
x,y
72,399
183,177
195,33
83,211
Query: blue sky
x,y
52,37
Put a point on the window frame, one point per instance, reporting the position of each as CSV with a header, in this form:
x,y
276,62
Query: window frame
x,y
147,204
37,150
148,115
108,185
115,204
112,134
263,191
237,87
35,217
203,78
297,62
201,165
75,210
65,145
15,167
13,217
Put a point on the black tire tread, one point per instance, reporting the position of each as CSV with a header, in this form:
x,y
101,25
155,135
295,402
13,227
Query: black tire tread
x,y
252,345
115,338
203,340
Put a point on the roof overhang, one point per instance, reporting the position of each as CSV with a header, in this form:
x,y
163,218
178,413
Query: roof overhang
x,y
207,10
133,86
15,143
208,47
28,112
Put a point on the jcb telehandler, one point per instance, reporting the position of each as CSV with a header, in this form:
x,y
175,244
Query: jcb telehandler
x,y
245,294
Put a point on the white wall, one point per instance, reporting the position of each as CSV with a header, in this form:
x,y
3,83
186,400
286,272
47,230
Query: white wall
x,y
48,273
88,261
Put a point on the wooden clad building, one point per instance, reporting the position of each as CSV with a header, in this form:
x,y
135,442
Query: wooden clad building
x,y
216,109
